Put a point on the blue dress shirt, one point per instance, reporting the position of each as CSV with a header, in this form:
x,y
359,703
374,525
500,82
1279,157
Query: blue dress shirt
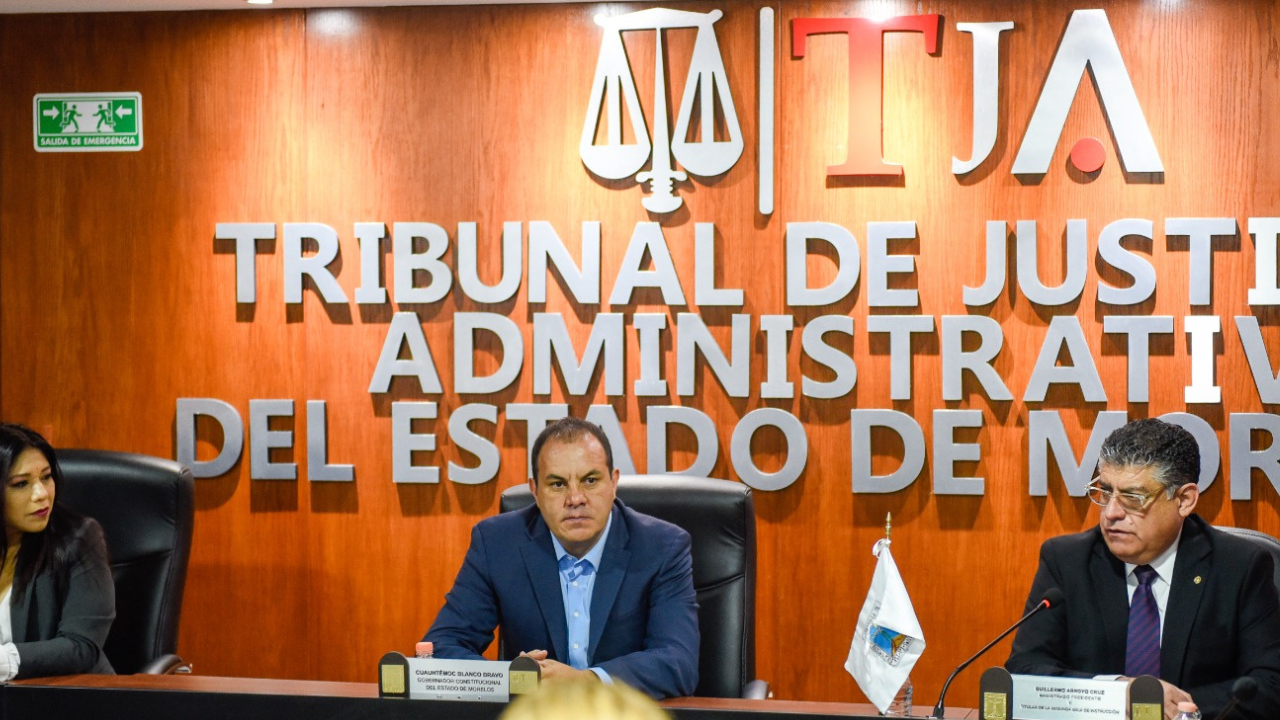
x,y
577,580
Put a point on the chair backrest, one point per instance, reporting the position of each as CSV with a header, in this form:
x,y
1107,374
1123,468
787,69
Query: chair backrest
x,y
720,517
146,508
1261,539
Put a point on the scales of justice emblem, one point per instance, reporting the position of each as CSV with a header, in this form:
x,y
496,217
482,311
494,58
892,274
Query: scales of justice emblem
x,y
614,84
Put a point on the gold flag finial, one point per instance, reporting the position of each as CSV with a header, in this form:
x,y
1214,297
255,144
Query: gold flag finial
x,y
888,525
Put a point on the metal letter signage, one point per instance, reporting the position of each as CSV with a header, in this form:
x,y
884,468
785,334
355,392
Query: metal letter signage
x,y
1088,43
986,91
707,82
866,81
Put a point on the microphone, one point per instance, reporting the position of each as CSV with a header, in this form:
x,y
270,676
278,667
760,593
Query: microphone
x,y
1052,598
1242,691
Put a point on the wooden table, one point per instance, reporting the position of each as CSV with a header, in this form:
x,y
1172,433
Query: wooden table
x,y
195,697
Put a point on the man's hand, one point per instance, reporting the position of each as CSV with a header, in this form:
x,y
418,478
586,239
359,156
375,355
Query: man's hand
x,y
555,671
1172,696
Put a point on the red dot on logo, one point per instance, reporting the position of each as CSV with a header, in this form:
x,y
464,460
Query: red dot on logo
x,y
1088,155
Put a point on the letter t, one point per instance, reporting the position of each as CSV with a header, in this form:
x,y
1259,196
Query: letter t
x,y
866,80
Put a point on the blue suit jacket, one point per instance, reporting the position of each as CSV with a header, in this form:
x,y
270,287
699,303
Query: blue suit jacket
x,y
644,613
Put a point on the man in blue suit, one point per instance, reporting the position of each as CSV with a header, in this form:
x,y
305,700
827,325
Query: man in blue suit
x,y
580,582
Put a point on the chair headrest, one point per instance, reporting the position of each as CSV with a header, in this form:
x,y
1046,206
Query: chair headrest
x,y
139,500
719,516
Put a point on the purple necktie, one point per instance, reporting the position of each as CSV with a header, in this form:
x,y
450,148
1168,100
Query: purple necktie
x,y
1142,650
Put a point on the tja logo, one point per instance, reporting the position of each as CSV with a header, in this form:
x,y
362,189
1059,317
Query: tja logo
x,y
1088,43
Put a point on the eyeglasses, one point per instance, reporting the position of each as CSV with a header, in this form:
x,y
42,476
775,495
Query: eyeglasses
x,y
1130,501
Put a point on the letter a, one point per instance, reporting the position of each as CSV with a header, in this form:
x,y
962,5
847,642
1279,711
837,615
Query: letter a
x,y
1088,43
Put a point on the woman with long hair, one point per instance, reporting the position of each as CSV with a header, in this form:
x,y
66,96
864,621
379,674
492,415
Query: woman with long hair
x,y
57,598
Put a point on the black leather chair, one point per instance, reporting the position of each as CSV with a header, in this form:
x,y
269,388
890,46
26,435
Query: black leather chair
x,y
146,508
721,519
1261,539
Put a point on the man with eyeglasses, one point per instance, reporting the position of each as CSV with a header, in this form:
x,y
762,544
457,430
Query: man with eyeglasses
x,y
1154,589
579,582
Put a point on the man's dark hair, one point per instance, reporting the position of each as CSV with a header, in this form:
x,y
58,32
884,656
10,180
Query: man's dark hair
x,y
568,429
1167,450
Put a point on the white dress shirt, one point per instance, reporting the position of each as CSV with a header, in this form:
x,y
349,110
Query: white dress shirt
x,y
1163,565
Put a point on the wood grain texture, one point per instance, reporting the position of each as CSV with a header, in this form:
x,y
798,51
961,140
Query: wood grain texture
x,y
205,685
115,300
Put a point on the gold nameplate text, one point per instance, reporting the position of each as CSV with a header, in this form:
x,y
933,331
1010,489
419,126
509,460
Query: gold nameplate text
x,y
523,682
1147,711
993,706
393,679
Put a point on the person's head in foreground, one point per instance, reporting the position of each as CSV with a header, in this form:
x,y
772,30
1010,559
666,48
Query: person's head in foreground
x,y
584,700
1146,486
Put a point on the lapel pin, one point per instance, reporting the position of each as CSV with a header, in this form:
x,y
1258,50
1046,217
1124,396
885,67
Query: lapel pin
x,y
1197,580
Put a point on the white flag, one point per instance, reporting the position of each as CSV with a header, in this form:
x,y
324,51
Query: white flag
x,y
888,640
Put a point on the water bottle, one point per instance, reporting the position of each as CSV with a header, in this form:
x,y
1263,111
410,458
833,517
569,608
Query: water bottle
x,y
901,705
1187,711
424,650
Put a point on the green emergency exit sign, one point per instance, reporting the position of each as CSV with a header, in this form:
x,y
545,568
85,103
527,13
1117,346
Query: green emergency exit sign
x,y
88,122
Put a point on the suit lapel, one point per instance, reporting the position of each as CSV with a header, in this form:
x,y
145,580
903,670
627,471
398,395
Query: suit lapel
x,y
613,569
544,575
20,613
1192,568
1112,599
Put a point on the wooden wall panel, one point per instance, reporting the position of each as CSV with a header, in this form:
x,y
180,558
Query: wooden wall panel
x,y
116,300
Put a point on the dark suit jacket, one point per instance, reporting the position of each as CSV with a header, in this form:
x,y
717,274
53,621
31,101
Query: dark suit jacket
x,y
1222,620
644,613
61,623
